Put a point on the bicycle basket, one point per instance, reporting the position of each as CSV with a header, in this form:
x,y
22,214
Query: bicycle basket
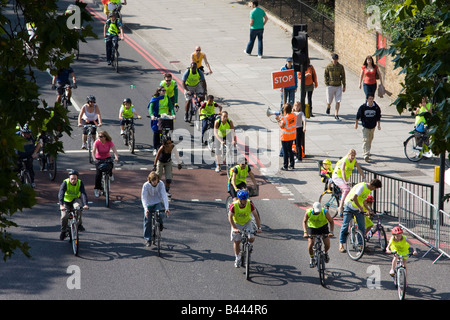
x,y
165,124
253,191
105,167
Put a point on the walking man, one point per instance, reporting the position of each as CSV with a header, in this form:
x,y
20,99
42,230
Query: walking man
x,y
370,115
335,82
258,19
288,93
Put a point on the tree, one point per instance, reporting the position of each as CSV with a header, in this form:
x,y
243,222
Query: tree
x,y
420,47
20,56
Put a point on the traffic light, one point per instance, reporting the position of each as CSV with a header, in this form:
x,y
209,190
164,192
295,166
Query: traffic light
x,y
299,47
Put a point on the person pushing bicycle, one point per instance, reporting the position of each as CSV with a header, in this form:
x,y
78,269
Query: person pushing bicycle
x,y
71,195
315,222
240,217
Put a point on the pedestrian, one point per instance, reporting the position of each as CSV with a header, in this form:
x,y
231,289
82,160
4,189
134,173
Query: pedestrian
x,y
335,82
370,115
301,129
198,56
369,75
310,84
258,19
288,93
288,126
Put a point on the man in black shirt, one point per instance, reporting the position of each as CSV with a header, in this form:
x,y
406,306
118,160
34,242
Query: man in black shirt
x,y
370,115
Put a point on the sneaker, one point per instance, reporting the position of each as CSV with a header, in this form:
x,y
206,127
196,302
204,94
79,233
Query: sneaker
x,y
260,57
33,185
341,248
111,177
109,63
245,51
237,262
83,146
291,168
154,152
62,235
122,133
327,257
337,118
217,169
96,193
148,243
391,273
366,158
311,115
81,228
328,111
312,262
284,168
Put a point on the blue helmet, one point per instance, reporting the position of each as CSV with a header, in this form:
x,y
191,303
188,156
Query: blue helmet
x,y
242,194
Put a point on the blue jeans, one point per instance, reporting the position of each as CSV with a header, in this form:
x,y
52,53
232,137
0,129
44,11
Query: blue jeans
x,y
369,89
148,221
253,34
289,97
348,216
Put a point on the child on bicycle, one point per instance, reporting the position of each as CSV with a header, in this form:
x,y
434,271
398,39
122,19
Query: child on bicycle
x,y
398,243
326,170
208,109
126,113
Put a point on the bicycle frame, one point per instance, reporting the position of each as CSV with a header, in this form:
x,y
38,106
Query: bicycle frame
x,y
246,250
90,139
319,256
73,221
156,229
400,275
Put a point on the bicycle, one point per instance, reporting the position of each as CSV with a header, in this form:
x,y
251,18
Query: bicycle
x,y
246,250
156,229
193,107
72,231
46,160
330,200
209,133
65,101
319,256
416,147
129,138
24,174
400,275
165,125
378,230
355,242
90,139
114,51
106,169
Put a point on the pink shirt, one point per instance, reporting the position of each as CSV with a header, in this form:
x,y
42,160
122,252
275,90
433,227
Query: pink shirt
x,y
103,149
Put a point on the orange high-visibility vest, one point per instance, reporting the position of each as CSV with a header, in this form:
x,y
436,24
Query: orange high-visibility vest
x,y
289,132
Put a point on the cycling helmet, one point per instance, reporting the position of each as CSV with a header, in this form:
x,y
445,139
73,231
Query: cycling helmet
x,y
397,230
90,98
25,128
370,198
242,194
326,161
71,172
127,100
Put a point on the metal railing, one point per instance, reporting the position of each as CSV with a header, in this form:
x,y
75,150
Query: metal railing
x,y
320,25
443,231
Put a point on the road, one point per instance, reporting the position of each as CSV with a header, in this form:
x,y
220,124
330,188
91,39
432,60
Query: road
x,y
197,258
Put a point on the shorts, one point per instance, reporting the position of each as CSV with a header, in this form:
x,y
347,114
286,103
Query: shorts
x,y
166,167
249,225
198,89
315,231
85,129
60,87
334,91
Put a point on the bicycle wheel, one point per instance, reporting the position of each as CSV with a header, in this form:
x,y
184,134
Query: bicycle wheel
x,y
131,141
321,268
191,111
116,58
355,244
412,151
228,203
74,236
401,283
328,201
41,159
158,237
89,146
106,185
51,167
381,239
247,261
210,139
26,178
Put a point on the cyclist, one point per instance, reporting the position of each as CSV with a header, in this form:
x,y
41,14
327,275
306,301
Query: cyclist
x,y
163,161
398,243
341,175
197,56
159,104
193,83
326,170
113,27
238,177
207,109
101,154
126,114
61,80
115,4
30,152
354,206
71,195
153,197
171,89
89,114
316,222
224,134
240,218
421,121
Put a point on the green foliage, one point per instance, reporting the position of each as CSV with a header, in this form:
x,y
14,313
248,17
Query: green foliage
x,y
20,102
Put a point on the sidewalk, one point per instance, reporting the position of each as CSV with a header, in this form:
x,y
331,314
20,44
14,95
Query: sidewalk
x,y
243,85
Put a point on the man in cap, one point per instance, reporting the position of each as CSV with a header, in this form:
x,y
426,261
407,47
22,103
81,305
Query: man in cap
x,y
335,82
288,93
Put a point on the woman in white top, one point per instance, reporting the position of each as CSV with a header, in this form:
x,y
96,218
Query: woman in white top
x,y
89,114
153,197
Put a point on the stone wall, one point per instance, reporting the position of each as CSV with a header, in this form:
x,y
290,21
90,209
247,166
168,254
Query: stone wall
x,y
353,41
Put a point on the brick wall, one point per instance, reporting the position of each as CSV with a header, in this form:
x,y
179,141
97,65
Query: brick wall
x,y
353,41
